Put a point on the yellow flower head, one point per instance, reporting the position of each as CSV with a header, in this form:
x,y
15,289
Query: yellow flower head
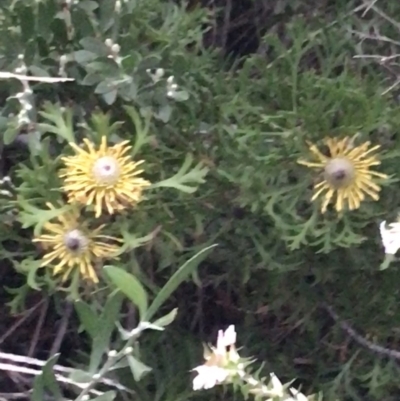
x,y
105,177
345,173
73,246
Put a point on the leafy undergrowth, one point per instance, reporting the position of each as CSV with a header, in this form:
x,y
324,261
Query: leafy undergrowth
x,y
220,103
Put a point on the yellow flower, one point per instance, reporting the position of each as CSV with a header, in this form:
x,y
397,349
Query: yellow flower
x,y
345,173
105,177
73,246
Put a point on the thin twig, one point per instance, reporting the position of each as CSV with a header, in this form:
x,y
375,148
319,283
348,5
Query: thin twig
x,y
378,349
33,372
37,362
15,326
38,328
62,329
8,75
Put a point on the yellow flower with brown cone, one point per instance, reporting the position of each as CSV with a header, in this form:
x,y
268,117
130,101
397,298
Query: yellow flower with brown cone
x,y
346,173
69,244
106,178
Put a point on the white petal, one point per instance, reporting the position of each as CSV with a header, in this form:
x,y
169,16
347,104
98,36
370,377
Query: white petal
x,y
226,338
277,387
390,237
297,395
230,335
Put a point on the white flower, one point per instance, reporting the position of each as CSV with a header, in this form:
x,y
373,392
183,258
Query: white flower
x,y
390,237
209,376
220,361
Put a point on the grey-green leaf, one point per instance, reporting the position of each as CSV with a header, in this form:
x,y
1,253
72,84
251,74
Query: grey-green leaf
x,y
138,369
177,278
108,396
167,319
88,318
130,286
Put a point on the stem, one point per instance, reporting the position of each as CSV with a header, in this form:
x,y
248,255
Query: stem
x,y
113,358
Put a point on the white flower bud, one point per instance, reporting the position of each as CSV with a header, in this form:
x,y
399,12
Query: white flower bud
x,y
63,59
115,48
160,73
108,42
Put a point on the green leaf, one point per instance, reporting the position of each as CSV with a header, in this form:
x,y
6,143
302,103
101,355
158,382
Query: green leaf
x,y
38,71
34,266
108,396
138,368
129,286
38,389
91,79
164,113
110,97
107,323
177,278
104,87
83,56
167,319
61,122
47,381
80,376
141,128
95,46
180,96
183,177
10,130
87,318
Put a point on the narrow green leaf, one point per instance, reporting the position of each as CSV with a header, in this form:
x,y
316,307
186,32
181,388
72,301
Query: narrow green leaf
x,y
49,378
107,319
177,278
80,376
47,381
138,369
130,286
38,389
108,396
87,318
167,319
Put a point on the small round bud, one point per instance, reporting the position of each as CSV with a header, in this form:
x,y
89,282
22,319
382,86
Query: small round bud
x,y
171,79
115,48
63,59
160,72
112,354
108,42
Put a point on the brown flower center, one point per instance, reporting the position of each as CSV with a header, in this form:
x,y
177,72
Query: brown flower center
x,y
339,172
75,241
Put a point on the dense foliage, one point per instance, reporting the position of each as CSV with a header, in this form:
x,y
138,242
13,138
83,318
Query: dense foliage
x,y
220,101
